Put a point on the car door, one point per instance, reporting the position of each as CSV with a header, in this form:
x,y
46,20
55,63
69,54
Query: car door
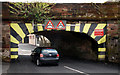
x,y
37,53
33,55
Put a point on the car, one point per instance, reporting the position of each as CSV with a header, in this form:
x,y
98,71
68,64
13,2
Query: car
x,y
45,55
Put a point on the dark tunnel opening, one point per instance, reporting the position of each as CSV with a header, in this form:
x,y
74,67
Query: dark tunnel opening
x,y
72,44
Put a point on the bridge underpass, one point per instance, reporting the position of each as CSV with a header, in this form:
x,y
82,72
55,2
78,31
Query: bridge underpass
x,y
72,44
20,30
83,34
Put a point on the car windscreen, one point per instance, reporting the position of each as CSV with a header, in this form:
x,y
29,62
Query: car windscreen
x,y
47,51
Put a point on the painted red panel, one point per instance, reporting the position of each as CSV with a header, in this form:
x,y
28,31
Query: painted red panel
x,y
99,32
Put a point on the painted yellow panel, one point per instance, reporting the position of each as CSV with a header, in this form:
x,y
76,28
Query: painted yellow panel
x,y
101,49
17,28
14,40
86,28
102,40
99,26
13,49
68,27
14,56
40,28
49,29
29,27
77,28
101,56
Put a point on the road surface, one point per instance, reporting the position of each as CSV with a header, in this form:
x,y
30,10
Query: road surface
x,y
66,65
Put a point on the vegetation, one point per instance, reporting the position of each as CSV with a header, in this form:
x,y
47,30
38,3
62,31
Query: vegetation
x,y
37,12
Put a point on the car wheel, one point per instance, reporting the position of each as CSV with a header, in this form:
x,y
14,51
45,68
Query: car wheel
x,y
38,62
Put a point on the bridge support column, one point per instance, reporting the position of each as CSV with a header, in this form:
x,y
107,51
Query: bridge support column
x,y
102,49
13,54
101,53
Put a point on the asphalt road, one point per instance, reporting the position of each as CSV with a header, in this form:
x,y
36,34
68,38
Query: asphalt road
x,y
24,65
66,65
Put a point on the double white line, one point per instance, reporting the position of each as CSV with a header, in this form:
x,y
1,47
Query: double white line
x,y
75,70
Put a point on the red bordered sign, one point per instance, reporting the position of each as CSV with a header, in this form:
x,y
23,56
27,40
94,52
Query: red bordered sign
x,y
49,25
99,32
60,25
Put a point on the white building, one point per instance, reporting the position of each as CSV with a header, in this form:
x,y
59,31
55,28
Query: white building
x,y
39,40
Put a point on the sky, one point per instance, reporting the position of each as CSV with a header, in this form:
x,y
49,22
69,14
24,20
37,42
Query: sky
x,y
58,1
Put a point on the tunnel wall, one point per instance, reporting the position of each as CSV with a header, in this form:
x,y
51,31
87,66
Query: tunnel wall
x,y
18,31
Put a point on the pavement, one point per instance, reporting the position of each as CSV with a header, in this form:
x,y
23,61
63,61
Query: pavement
x,y
25,49
66,66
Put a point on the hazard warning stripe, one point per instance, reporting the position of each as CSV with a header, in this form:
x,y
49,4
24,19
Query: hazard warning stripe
x,y
43,28
72,28
102,45
49,29
86,28
15,34
14,40
29,27
81,27
40,27
77,28
24,28
102,53
68,27
101,49
17,28
35,28
14,56
14,53
99,26
14,49
92,28
13,45
102,40
101,56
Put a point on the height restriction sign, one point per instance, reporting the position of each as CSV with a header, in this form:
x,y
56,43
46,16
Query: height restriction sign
x,y
60,25
99,32
49,25
55,24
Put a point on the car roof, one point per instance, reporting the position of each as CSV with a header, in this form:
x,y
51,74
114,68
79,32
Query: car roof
x,y
44,47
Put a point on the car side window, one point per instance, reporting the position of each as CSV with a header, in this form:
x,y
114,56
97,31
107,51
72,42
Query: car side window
x,y
37,50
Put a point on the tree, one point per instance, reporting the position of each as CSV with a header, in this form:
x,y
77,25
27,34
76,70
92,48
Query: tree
x,y
37,12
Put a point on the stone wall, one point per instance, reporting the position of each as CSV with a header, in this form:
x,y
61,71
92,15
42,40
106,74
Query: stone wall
x,y
6,42
113,51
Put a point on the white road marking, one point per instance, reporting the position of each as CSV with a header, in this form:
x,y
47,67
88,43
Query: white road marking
x,y
75,70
